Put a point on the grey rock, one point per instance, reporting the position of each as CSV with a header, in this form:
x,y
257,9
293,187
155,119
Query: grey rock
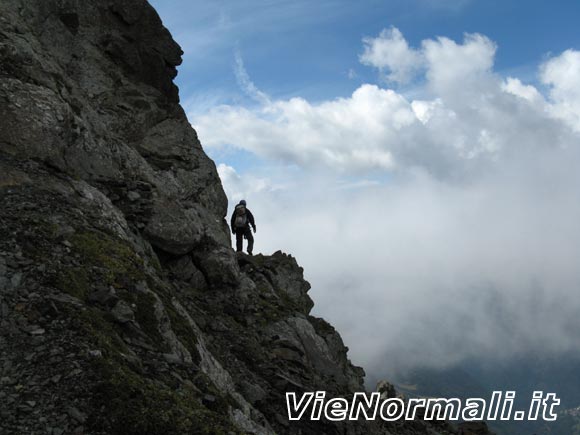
x,y
209,399
65,299
3,268
298,333
219,265
77,415
174,229
6,380
103,295
282,273
252,392
122,312
185,270
37,331
245,423
386,389
4,310
172,358
133,196
16,280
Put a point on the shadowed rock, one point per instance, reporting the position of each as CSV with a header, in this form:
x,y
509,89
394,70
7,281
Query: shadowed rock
x,y
123,308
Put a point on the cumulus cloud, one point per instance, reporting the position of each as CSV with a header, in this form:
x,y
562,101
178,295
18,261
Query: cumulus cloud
x,y
475,119
453,68
447,63
436,229
515,87
391,54
346,134
238,187
562,74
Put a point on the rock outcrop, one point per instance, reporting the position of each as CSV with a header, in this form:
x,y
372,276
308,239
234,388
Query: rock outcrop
x,y
123,308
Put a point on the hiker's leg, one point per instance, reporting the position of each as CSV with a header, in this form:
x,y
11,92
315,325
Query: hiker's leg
x,y
239,241
250,238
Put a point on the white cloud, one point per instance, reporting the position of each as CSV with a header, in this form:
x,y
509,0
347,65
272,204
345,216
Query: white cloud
x,y
515,87
562,74
474,118
346,134
468,245
424,110
391,54
245,83
238,187
453,68
419,272
448,64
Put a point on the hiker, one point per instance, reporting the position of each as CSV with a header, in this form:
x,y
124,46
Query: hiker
x,y
242,218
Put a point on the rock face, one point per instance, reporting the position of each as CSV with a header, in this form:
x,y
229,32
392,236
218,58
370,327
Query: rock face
x,y
123,308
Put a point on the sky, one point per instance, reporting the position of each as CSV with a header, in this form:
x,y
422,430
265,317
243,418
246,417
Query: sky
x,y
418,157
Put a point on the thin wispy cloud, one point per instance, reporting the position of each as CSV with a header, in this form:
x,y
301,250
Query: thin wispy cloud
x,y
207,28
245,83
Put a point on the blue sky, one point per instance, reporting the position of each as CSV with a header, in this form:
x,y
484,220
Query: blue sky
x,y
306,48
418,157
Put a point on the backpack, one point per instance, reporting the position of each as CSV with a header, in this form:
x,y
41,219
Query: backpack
x,y
241,219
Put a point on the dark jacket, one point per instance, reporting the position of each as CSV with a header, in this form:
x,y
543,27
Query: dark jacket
x,y
249,220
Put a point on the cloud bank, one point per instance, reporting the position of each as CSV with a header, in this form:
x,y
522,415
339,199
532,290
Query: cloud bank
x,y
435,229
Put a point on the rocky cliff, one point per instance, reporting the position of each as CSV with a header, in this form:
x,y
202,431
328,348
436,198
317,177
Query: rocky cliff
x,y
123,308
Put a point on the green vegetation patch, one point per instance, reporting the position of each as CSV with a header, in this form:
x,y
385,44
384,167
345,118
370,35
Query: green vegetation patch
x,y
101,331
117,259
135,405
131,403
74,281
183,331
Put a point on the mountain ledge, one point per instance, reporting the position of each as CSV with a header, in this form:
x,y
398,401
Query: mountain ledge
x,y
123,308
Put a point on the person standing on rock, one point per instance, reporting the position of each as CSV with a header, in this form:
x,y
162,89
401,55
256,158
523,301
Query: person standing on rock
x,y
242,218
